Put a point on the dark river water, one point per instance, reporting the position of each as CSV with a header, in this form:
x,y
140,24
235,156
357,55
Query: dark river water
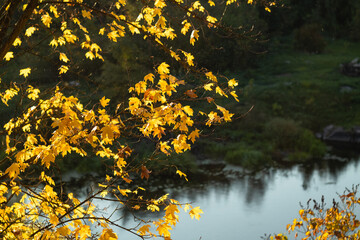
x,y
247,207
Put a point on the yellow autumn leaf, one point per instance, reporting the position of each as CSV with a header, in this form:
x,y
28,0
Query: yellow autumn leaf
x,y
193,135
13,171
25,72
108,234
8,56
46,20
163,68
220,91
195,212
232,83
164,147
181,174
144,230
86,14
63,57
33,93
211,19
89,55
29,31
54,43
194,36
104,102
17,42
188,110
63,69
186,27
208,87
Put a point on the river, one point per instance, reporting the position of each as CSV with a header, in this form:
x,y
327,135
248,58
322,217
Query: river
x,y
247,207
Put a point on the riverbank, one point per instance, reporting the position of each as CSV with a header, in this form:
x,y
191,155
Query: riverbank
x,y
293,95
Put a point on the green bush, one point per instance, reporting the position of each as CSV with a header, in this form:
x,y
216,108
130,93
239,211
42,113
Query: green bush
x,y
308,38
282,132
246,157
288,136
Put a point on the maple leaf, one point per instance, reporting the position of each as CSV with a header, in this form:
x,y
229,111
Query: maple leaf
x,y
164,147
89,55
232,83
186,27
54,43
104,102
46,20
8,56
149,77
30,31
17,42
25,72
144,229
233,93
194,36
188,110
13,171
191,93
63,57
208,87
63,69
181,174
86,14
145,173
195,212
108,234
193,135
163,68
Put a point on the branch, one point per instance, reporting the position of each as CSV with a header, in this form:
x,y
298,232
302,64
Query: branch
x,y
18,28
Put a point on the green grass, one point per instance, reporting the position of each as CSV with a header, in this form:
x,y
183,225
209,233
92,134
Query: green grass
x,y
297,86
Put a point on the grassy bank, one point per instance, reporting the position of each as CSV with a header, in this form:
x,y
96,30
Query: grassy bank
x,y
295,94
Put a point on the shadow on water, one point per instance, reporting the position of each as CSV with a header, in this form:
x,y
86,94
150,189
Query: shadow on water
x,y
244,205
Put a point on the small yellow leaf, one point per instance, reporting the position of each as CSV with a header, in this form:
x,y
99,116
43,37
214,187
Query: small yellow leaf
x,y
54,43
208,87
232,83
104,102
63,57
25,72
30,31
17,42
8,56
181,174
63,69
188,110
195,212
89,55
86,14
46,20
163,68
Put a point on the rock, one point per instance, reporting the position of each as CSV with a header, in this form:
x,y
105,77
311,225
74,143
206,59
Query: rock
x,y
351,68
338,135
346,89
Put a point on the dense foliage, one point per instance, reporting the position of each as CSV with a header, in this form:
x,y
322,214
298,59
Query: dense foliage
x,y
44,42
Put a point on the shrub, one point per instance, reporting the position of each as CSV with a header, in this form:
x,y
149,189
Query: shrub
x,y
308,38
288,136
246,157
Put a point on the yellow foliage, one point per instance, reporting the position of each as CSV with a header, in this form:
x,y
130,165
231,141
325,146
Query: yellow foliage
x,y
52,125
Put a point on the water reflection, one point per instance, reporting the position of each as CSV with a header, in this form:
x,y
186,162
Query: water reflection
x,y
245,206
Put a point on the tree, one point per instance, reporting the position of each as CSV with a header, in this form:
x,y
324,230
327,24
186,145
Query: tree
x,y
319,222
50,126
